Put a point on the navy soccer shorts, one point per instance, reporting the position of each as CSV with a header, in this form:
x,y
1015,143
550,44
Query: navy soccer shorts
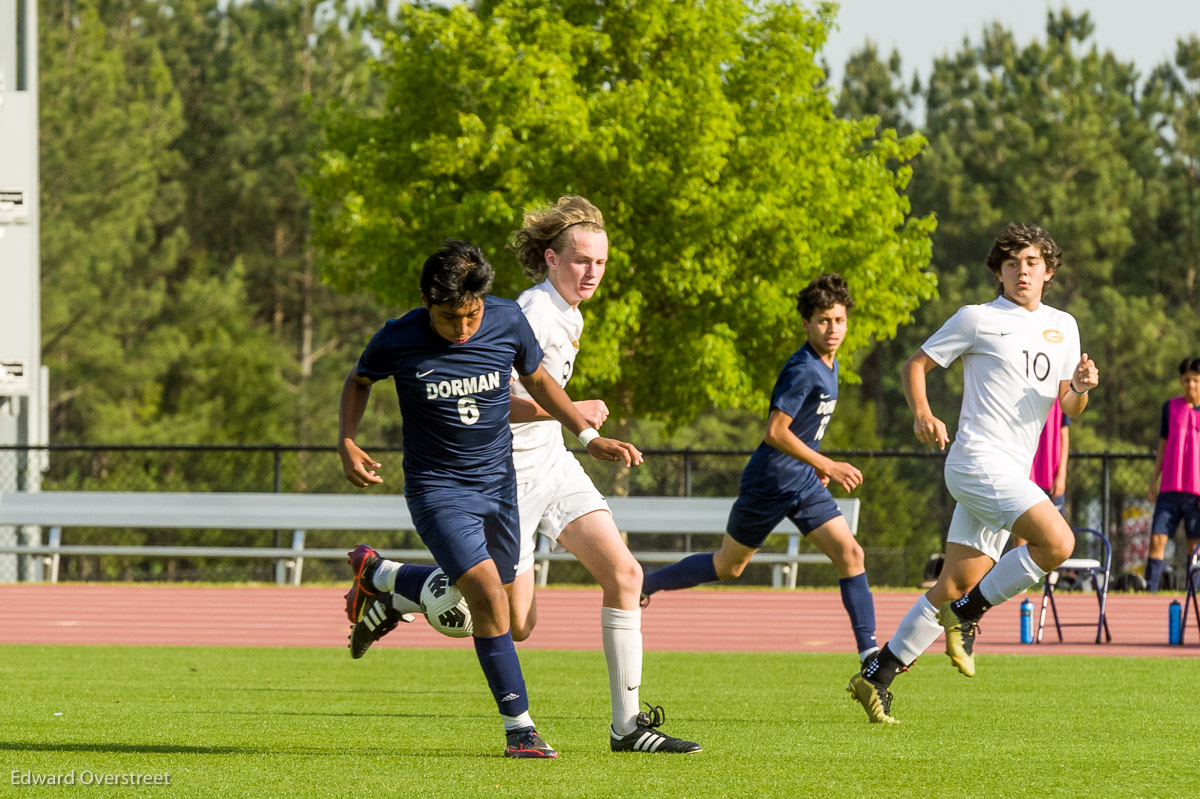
x,y
754,516
463,528
1174,507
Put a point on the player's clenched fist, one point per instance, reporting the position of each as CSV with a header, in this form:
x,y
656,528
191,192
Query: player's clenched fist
x,y
844,475
1086,375
594,411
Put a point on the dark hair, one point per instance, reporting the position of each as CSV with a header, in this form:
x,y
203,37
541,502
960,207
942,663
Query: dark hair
x,y
826,290
456,274
1189,365
1018,236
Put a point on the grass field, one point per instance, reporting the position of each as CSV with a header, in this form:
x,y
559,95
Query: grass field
x,y
313,723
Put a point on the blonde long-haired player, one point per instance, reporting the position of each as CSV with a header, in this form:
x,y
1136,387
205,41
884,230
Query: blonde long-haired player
x,y
563,248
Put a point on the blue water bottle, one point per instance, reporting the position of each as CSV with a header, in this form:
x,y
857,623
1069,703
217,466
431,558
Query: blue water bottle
x,y
1027,621
1173,625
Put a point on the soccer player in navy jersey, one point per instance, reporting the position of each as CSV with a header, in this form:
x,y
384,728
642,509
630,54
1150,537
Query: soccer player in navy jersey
x,y
787,476
563,248
452,361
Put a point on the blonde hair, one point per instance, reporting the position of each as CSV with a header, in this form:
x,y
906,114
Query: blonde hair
x,y
548,228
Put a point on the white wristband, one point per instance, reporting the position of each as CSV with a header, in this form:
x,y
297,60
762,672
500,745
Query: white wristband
x,y
587,435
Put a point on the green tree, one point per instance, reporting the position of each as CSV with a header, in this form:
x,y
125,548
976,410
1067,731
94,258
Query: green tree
x,y
1172,103
249,76
701,129
1137,341
1049,133
1043,133
143,346
874,87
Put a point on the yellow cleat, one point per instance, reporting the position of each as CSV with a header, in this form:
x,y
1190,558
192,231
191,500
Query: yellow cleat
x,y
877,704
960,639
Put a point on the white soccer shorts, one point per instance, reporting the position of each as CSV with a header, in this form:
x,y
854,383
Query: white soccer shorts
x,y
561,494
989,501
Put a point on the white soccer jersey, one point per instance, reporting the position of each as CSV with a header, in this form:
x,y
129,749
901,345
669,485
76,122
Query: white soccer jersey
x,y
557,327
1013,360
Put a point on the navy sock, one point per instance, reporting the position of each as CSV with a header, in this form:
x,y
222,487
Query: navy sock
x,y
409,580
883,668
498,658
971,606
860,605
692,570
1154,571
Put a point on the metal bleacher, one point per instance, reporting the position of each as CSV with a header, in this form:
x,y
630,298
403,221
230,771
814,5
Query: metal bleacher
x,y
59,510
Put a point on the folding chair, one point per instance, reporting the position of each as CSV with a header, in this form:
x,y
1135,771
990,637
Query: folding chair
x,y
1098,571
1193,577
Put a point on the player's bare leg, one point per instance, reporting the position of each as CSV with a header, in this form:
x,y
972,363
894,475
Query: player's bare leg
x,y
732,558
726,563
962,570
1050,542
522,604
1049,537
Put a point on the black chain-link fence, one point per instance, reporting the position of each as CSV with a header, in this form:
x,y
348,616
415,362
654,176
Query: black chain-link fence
x,y
905,508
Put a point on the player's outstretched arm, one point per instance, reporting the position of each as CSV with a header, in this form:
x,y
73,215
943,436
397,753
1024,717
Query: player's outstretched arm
x,y
1072,394
550,396
358,466
780,436
928,428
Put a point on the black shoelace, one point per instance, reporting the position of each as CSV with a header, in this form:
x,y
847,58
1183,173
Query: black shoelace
x,y
654,718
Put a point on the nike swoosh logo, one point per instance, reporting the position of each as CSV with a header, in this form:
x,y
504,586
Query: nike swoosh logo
x,y
826,396
423,374
1009,333
634,688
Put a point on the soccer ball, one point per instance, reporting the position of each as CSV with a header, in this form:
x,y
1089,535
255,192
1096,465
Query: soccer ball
x,y
445,607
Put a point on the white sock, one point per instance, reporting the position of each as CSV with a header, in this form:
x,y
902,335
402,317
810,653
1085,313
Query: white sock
x,y
516,722
918,629
384,578
1011,575
866,653
405,605
622,634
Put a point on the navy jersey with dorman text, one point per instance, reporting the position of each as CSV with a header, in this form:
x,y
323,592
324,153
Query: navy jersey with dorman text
x,y
807,391
454,398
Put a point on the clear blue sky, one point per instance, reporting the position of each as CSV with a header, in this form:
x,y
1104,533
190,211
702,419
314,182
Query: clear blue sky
x,y
1142,31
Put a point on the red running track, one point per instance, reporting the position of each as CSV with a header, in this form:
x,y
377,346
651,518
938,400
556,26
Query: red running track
x,y
696,620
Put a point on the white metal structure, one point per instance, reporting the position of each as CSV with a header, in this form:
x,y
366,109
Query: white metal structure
x,y
22,380
300,512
